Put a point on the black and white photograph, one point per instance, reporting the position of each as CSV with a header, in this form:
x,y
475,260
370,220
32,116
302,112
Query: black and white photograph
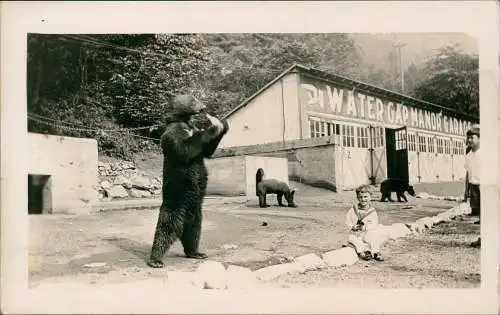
x,y
221,161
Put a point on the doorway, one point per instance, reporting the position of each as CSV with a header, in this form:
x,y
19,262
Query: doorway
x,y
397,153
39,194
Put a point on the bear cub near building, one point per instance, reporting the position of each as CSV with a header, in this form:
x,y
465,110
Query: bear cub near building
x,y
395,185
273,186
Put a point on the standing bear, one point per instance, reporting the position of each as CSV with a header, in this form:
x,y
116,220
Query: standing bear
x,y
184,178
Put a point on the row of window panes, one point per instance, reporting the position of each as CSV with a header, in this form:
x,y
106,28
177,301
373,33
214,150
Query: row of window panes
x,y
401,139
347,133
435,145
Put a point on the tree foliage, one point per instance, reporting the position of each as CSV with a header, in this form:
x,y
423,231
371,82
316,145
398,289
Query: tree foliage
x,y
451,79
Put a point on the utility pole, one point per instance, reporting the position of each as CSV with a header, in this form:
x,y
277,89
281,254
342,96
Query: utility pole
x,y
398,46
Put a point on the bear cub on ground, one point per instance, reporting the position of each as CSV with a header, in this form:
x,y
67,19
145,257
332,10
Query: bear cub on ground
x,y
395,185
273,186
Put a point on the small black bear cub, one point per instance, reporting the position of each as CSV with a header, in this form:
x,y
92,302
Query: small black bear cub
x,y
395,185
273,186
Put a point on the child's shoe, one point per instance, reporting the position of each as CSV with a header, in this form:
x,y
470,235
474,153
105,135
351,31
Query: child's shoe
x,y
378,257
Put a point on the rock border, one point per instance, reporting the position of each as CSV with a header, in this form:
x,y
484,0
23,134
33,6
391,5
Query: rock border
x,y
424,195
213,275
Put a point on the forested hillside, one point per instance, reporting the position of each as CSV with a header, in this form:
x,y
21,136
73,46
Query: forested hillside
x,y
115,88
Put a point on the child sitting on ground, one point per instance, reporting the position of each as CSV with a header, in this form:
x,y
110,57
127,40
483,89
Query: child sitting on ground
x,y
367,234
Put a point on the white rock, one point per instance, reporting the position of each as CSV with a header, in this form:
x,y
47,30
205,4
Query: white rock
x,y
140,182
449,213
137,193
443,216
268,273
117,191
417,227
101,164
95,265
105,184
229,246
240,277
398,230
146,194
155,191
341,257
115,166
463,208
310,262
128,165
213,274
122,180
184,280
423,195
426,222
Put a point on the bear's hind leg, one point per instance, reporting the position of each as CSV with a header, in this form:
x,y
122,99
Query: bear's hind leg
x,y
384,196
191,237
404,196
168,229
262,200
279,196
289,199
389,196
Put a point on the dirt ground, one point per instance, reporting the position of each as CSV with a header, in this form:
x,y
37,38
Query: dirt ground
x,y
112,246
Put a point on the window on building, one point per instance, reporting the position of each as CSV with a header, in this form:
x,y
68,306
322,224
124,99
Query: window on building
x,y
377,137
362,137
316,128
459,147
401,139
320,128
412,142
332,129
447,146
348,136
421,144
440,145
336,131
430,144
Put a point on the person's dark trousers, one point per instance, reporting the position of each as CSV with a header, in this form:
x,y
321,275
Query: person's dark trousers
x,y
475,199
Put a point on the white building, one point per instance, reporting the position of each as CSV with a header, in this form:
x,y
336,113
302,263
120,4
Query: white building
x,y
376,133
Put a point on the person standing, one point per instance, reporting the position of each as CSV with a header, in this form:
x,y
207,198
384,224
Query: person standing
x,y
472,176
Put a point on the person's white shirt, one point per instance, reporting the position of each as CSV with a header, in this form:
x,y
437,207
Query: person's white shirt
x,y
472,166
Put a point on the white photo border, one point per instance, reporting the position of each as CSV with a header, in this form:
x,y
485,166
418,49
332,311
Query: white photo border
x,y
476,18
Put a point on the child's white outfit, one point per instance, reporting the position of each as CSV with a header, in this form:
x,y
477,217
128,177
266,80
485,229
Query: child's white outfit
x,y
372,234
